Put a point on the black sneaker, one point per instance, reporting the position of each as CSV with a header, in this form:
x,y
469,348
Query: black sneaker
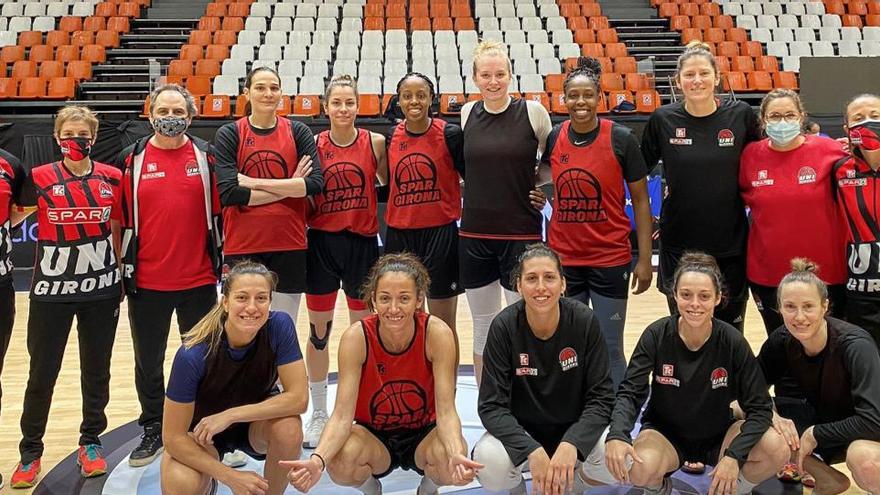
x,y
150,447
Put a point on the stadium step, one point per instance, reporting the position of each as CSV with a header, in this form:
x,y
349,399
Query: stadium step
x,y
176,9
633,9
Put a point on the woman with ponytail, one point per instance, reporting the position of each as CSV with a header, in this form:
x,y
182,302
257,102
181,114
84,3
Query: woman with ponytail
x,y
700,140
223,395
836,367
583,155
693,366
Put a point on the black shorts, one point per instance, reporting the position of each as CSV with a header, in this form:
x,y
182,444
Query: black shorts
x,y
611,282
705,451
401,446
339,257
864,312
236,437
803,414
733,269
290,266
483,261
437,247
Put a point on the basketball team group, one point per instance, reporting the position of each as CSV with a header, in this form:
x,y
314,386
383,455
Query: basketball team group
x,y
754,205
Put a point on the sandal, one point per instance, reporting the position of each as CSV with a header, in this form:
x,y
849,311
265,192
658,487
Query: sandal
x,y
693,467
789,474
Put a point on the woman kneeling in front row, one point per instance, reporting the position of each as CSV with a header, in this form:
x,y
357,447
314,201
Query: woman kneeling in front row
x,y
222,392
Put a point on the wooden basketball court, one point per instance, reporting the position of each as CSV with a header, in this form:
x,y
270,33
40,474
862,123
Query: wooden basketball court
x,y
63,428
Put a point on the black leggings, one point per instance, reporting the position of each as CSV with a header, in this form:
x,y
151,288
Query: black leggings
x,y
49,326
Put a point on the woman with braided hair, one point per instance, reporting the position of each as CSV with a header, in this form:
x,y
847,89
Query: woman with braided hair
x,y
589,159
424,196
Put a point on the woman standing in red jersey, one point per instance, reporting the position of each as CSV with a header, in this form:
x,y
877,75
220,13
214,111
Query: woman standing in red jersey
x,y
786,172
590,160
343,229
266,166
76,274
424,197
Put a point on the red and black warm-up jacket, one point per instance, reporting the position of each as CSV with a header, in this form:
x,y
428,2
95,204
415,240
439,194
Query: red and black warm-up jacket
x,y
133,159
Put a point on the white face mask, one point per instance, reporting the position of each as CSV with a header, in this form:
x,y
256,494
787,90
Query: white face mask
x,y
783,132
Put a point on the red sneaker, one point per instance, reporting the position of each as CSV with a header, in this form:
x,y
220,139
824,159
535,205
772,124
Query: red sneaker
x,y
25,475
90,460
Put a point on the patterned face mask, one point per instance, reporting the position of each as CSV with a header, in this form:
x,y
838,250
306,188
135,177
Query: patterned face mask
x,y
170,126
865,134
75,148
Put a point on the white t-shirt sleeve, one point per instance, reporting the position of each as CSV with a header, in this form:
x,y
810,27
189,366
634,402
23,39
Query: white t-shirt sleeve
x,y
540,121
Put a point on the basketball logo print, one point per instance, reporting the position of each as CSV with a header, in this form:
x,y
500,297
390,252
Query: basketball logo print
x,y
265,164
399,404
343,188
416,179
579,197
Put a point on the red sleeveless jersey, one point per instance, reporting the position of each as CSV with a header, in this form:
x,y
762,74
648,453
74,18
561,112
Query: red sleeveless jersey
x,y
348,201
396,390
589,226
424,190
278,226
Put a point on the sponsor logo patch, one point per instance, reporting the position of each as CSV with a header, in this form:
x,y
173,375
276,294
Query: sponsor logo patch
x,y
523,359
725,138
568,359
526,372
58,190
763,179
719,378
806,175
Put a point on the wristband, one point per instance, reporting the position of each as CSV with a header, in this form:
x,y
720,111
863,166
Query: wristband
x,y
323,464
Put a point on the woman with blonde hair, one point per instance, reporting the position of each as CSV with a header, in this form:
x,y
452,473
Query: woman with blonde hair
x,y
223,394
503,137
76,274
342,237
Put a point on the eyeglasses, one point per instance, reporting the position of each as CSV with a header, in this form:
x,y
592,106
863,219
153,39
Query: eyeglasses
x,y
775,118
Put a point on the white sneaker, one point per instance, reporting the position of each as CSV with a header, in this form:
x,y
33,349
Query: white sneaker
x,y
314,428
235,459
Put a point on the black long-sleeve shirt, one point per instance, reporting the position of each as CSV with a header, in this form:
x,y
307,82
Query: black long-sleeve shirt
x,y
538,393
842,382
226,143
691,391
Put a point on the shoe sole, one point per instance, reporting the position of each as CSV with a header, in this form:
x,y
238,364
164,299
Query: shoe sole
x,y
146,460
93,474
23,484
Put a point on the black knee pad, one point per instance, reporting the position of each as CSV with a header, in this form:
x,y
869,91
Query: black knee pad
x,y
319,343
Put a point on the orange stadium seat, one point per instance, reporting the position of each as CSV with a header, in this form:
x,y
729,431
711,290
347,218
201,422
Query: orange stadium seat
x,y
93,53
57,38
852,20
460,10
11,53
80,70
598,23
625,65
225,38
739,35
700,21
442,24
615,50
238,9
61,88
190,52
667,9
615,98
591,10
31,88
611,82
723,63
874,7
727,49
107,38
129,9
582,36
420,24
679,22
439,10
8,87
180,68
557,104
637,82
743,64
734,81
691,34
767,63
464,24
28,39
395,10
606,36
540,98
575,23
198,85
751,48
368,105
785,79
241,104
105,9
306,106
215,107
199,37
872,20
723,21
450,104
51,68
689,9
24,68
710,9
209,23
207,67
553,83
714,35
647,100
94,24
419,11
570,10
39,53
857,7
759,80
216,9
395,23
593,50
82,38
68,53
70,24
118,24
232,24
374,24
217,52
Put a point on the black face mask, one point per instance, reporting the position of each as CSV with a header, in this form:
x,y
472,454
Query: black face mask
x,y
865,134
75,148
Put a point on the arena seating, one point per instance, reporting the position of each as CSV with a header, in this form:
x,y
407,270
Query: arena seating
x,y
48,48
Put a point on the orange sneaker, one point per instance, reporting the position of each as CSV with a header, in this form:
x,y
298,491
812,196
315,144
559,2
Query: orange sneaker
x,y
90,460
25,475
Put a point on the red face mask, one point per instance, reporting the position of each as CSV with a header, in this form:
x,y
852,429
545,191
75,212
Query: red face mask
x,y
866,134
75,148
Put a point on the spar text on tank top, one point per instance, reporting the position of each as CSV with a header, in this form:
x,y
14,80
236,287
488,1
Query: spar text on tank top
x,y
424,189
277,226
397,389
500,152
589,226
348,201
